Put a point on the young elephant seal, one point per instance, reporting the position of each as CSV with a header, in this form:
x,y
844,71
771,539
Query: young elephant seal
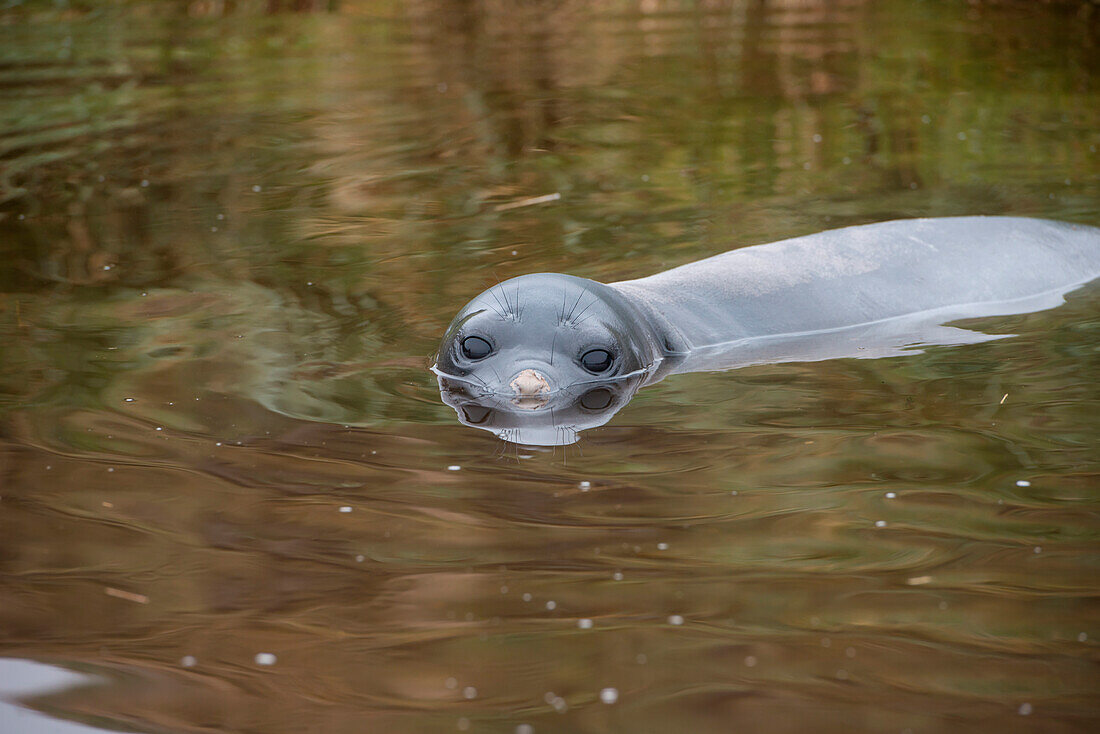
x,y
540,357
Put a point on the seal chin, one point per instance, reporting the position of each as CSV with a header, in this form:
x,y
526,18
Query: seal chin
x,y
531,388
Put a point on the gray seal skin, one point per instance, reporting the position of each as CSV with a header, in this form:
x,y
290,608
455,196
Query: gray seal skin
x,y
539,358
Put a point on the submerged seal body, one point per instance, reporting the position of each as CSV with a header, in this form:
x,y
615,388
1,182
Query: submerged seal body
x,y
540,357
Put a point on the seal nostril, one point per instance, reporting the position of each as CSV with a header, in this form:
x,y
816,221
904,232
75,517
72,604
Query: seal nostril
x,y
529,383
532,390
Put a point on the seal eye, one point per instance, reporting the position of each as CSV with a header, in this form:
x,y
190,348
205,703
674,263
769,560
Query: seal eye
x,y
476,414
596,360
474,347
596,399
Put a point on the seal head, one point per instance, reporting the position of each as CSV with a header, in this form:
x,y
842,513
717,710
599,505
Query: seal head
x,y
540,357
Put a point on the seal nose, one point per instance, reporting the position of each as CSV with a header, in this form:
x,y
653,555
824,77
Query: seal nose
x,y
531,389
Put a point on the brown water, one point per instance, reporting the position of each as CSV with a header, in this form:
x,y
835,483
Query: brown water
x,y
232,235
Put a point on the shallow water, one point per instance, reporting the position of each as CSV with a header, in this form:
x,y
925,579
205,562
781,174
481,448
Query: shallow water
x,y
232,236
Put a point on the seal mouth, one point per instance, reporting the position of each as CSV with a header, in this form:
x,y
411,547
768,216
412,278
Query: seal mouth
x,y
483,389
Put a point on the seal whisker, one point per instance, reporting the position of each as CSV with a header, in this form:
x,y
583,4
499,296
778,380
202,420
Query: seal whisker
x,y
507,302
503,309
595,300
578,323
575,304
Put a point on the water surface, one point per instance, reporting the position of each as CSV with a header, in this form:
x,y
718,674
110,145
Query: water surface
x,y
233,233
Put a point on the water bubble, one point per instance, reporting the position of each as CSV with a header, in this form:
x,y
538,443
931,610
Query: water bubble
x,y
551,605
1037,549
469,692
1082,637
451,683
453,467
618,575
525,729
463,723
585,486
144,183
188,661
503,589
662,546
850,652
586,624
264,658
842,674
257,189
925,119
675,619
359,559
891,495
817,138
609,695
527,596
750,661
961,136
345,508
1025,709
1022,483
640,658
880,523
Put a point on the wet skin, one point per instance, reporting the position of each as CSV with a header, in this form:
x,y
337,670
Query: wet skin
x,y
541,357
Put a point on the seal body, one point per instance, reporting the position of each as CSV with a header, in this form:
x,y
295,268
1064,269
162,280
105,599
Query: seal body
x,y
541,343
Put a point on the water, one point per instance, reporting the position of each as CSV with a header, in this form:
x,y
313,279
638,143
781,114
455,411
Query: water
x,y
232,236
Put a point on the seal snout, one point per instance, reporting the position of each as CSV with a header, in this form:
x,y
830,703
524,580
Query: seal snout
x,y
531,388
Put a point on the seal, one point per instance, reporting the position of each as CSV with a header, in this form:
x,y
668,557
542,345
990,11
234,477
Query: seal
x,y
539,358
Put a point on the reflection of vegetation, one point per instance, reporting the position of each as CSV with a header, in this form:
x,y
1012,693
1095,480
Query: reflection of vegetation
x,y
148,145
